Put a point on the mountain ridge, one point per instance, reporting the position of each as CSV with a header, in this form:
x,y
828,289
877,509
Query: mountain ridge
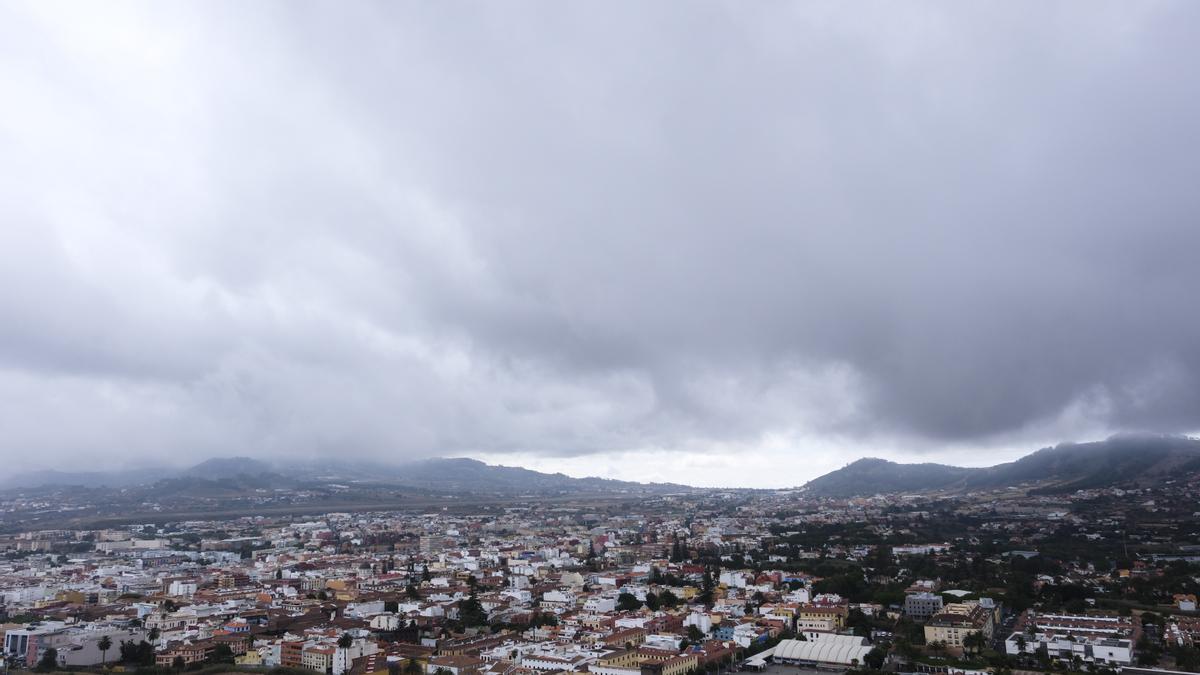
x,y
1066,467
439,474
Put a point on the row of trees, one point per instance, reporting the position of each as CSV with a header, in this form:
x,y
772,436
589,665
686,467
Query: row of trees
x,y
627,602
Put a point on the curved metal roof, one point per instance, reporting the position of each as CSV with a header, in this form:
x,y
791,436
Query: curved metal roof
x,y
826,650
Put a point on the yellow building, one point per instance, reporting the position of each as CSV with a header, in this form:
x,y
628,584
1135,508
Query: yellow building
x,y
679,665
73,597
955,622
624,658
630,637
821,617
319,659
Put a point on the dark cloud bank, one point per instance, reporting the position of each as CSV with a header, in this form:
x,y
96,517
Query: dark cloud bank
x,y
414,230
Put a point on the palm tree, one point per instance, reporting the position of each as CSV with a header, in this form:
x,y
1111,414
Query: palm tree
x,y
344,643
104,645
1021,643
973,643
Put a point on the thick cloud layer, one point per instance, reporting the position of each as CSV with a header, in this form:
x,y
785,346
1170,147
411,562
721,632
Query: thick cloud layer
x,y
585,236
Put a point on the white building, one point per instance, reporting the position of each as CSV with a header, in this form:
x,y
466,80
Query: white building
x,y
834,650
598,604
733,579
700,620
1089,648
558,599
342,658
182,589
387,622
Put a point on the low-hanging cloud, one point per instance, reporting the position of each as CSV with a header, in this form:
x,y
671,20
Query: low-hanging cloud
x,y
572,230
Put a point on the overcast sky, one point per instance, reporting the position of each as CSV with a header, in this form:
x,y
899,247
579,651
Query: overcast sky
x,y
714,243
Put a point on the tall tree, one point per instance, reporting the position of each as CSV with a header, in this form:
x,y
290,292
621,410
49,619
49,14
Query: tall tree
x,y
668,599
104,645
652,602
973,642
628,602
222,653
471,612
706,587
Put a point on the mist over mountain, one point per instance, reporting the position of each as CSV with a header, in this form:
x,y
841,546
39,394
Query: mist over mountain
x,y
234,474
226,467
1121,459
469,474
110,479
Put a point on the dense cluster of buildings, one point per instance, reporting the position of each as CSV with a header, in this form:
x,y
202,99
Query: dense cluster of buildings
x,y
512,592
663,586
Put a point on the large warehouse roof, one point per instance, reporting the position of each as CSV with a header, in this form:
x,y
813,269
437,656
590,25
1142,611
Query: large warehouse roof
x,y
839,649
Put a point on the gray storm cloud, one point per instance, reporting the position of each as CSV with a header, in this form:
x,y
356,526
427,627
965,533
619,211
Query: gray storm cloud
x,y
410,230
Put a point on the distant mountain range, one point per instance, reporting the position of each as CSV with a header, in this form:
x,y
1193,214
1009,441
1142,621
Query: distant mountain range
x,y
444,475
111,479
1119,460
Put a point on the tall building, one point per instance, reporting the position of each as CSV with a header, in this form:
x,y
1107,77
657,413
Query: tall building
x,y
922,606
